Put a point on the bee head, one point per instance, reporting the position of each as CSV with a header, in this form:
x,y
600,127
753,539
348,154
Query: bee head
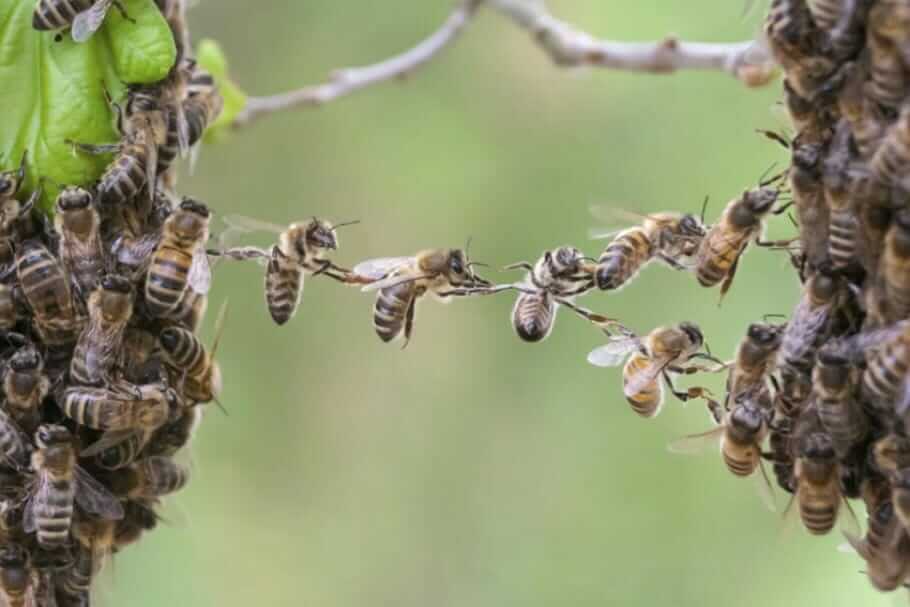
x,y
690,225
746,416
817,445
143,99
116,284
116,298
764,334
693,333
320,235
824,284
192,221
760,200
51,435
566,259
14,556
72,198
11,181
25,359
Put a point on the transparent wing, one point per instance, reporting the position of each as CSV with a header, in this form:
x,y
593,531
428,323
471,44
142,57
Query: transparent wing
x,y
392,281
109,439
644,377
94,499
200,276
764,488
694,444
248,224
614,352
381,267
183,131
88,21
151,163
39,495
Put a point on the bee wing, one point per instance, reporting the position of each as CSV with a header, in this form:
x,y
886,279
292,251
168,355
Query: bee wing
x,y
88,21
248,224
200,276
694,444
109,439
38,495
94,499
764,488
645,376
391,281
183,129
380,268
806,322
614,352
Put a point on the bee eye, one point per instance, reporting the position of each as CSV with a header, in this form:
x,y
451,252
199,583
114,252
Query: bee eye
x,y
456,265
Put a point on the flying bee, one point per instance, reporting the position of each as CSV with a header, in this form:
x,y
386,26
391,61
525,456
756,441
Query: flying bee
x,y
84,16
110,307
17,579
59,483
302,249
179,262
741,431
672,238
835,382
885,547
741,222
893,288
818,493
402,281
149,478
77,223
664,352
25,385
555,279
196,370
754,360
810,322
46,289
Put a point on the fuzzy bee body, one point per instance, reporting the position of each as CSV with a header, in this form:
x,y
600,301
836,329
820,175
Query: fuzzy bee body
x,y
46,289
533,315
110,308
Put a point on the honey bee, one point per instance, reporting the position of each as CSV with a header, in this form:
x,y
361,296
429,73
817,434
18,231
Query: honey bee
x,y
809,118
888,45
672,238
663,353
741,431
149,478
887,365
885,548
77,224
141,365
818,493
873,201
555,279
834,381
59,483
25,385
891,160
46,289
779,452
94,544
109,308
866,122
842,235
197,372
119,408
741,222
85,16
402,281
143,128
174,435
17,579
754,360
842,21
179,262
793,40
810,321
203,103
302,250
894,285
124,450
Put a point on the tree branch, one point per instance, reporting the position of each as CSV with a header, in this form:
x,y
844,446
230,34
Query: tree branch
x,y
567,47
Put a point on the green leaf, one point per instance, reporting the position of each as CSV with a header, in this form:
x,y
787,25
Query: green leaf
x,y
210,56
52,89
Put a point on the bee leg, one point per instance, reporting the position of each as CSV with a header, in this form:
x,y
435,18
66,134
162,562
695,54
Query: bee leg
x,y
521,265
92,148
670,261
783,209
119,6
409,323
597,319
728,280
681,395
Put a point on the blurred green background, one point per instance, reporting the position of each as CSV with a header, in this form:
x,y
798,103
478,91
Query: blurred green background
x,y
471,468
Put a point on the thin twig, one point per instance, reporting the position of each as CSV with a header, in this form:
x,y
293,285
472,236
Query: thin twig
x,y
567,46
346,81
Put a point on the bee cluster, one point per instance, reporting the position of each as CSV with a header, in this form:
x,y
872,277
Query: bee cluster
x,y
103,377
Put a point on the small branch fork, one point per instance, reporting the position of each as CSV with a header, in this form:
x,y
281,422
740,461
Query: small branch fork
x,y
567,46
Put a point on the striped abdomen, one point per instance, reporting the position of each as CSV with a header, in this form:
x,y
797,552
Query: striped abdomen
x,y
94,356
647,400
623,258
886,369
167,152
533,316
892,159
97,408
391,309
887,83
13,448
843,232
76,580
718,252
57,14
185,351
741,460
45,287
166,282
161,476
283,286
895,273
126,175
54,513
818,506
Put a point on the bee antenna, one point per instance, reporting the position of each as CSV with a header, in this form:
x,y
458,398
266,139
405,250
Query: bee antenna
x,y
704,207
346,223
471,264
21,172
220,406
467,247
